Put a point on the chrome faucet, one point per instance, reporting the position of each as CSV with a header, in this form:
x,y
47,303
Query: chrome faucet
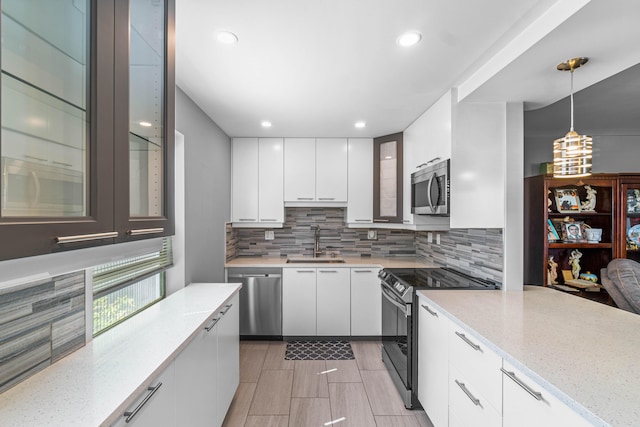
x,y
316,248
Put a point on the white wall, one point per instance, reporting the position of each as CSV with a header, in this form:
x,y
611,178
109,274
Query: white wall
x,y
208,191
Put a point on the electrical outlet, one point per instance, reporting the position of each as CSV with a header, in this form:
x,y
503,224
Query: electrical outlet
x,y
268,235
372,235
437,238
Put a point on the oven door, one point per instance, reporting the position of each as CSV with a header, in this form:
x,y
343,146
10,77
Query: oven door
x,y
396,334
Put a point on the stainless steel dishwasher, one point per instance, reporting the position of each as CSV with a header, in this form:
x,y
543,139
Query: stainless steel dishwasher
x,y
260,301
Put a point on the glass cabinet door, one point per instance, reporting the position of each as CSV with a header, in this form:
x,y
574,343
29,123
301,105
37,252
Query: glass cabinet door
x,y
146,107
44,139
387,180
631,223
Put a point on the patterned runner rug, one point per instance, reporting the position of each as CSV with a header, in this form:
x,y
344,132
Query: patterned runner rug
x,y
319,350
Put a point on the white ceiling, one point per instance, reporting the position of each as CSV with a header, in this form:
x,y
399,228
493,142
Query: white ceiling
x,y
313,68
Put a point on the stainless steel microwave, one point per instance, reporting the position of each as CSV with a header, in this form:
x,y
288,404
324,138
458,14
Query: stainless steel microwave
x,y
37,190
430,189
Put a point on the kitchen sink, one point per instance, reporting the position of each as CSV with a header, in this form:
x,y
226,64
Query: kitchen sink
x,y
317,260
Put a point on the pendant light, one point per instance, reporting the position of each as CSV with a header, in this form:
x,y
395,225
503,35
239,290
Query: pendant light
x,y
572,153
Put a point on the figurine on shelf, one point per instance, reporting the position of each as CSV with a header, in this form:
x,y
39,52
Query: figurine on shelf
x,y
553,273
549,202
574,260
590,204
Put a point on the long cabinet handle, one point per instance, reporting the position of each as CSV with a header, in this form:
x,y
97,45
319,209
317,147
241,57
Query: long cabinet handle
x,y
86,237
464,338
142,231
304,198
464,388
152,391
362,271
327,271
326,198
363,220
431,312
213,323
268,220
305,271
380,220
247,219
226,308
536,394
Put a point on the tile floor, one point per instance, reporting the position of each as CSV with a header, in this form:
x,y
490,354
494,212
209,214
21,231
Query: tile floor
x,y
274,392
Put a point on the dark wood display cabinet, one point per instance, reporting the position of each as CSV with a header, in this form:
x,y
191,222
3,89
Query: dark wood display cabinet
x,y
628,245
549,203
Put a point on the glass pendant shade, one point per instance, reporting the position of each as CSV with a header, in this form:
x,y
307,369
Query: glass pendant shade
x,y
572,153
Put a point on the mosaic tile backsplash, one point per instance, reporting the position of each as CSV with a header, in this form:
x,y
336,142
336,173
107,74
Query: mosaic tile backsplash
x,y
40,323
474,251
296,238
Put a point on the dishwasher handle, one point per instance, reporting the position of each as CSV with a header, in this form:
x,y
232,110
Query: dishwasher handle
x,y
242,276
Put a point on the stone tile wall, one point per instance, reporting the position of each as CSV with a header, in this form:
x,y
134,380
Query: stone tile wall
x,y
40,323
476,251
297,237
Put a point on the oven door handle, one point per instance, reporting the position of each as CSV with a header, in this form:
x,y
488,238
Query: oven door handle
x,y
389,297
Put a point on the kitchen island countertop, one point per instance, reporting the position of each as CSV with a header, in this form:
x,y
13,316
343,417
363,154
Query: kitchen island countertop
x,y
587,354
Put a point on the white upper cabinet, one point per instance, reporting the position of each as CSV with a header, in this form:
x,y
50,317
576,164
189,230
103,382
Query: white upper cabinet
x,y
244,206
257,182
299,169
271,180
360,181
331,169
315,171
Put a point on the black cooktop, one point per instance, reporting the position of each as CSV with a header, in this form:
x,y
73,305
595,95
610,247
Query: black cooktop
x,y
443,278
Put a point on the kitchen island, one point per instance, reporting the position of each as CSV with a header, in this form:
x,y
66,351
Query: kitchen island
x,y
584,353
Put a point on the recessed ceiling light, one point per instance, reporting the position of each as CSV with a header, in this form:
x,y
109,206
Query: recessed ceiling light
x,y
409,38
266,124
145,124
360,124
226,37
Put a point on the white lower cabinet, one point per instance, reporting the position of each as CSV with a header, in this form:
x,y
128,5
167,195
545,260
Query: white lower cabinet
x,y
433,363
198,386
527,404
333,301
196,370
366,302
467,405
156,406
298,301
228,356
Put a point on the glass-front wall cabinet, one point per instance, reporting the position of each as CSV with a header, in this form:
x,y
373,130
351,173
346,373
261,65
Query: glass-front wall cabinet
x,y
387,179
86,96
44,116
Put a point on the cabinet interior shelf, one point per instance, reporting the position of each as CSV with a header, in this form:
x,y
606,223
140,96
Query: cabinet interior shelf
x,y
562,215
633,214
580,245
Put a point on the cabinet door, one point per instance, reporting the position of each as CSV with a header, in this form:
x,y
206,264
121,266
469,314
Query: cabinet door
x,y
360,181
228,357
526,404
333,301
299,169
331,169
299,301
366,302
387,178
629,241
159,409
467,405
196,370
433,362
244,180
145,118
271,180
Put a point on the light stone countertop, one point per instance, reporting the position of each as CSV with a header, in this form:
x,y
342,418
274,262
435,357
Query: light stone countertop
x,y
389,262
94,385
585,353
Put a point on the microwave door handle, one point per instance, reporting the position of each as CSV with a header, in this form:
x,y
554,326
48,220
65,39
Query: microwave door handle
x,y
36,181
431,180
